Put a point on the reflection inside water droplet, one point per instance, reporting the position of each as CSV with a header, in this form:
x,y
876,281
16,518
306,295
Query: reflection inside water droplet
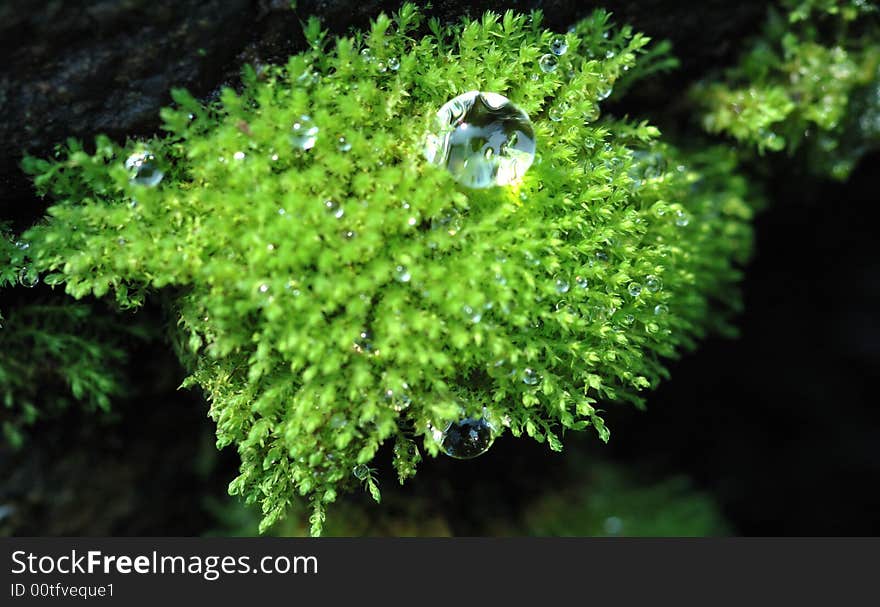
x,y
360,472
558,46
143,169
467,438
303,133
548,63
482,139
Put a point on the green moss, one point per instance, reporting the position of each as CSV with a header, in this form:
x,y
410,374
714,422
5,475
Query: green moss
x,y
291,318
810,82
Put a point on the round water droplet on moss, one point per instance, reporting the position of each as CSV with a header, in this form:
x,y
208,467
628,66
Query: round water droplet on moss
x,y
530,377
548,63
634,289
482,139
561,285
653,283
556,112
342,145
582,282
303,133
558,46
360,472
660,309
681,219
467,438
402,274
393,64
143,169
27,279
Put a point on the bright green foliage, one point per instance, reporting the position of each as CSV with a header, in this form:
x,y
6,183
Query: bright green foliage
x,y
285,267
811,81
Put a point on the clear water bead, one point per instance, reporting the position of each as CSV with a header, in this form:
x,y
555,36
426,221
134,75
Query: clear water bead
x,y
143,169
530,377
561,285
558,46
360,472
467,438
303,133
402,274
634,289
653,283
582,282
548,63
482,139
342,145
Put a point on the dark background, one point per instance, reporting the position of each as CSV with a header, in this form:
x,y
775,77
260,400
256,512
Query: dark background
x,y
779,426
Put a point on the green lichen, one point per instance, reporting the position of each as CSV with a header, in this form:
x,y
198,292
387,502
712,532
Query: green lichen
x,y
809,82
281,265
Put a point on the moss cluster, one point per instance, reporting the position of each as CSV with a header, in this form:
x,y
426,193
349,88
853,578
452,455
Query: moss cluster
x,y
810,81
335,296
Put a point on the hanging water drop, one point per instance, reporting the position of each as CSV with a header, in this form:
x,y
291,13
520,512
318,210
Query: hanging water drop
x,y
548,63
361,472
558,46
467,438
143,169
482,139
304,133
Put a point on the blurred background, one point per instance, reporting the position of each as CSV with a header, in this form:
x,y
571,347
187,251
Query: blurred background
x,y
774,433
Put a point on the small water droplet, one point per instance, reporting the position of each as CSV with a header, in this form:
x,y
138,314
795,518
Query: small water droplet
x,y
402,274
604,92
581,282
467,438
366,55
360,472
561,285
348,234
364,342
530,377
482,139
475,316
264,288
393,64
27,278
304,133
548,63
609,54
342,145
628,320
653,283
558,46
557,112
660,309
238,155
681,219
143,169
634,289
334,208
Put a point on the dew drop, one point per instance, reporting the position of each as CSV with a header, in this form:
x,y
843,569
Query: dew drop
x,y
334,209
653,283
558,46
604,92
681,219
581,282
27,278
402,274
548,63
562,286
634,289
393,64
304,133
342,145
238,156
360,472
556,112
530,377
467,438
475,316
482,139
660,309
264,288
143,169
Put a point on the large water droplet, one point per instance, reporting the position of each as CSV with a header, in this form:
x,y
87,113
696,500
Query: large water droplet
x,y
360,472
303,133
467,438
634,289
562,285
143,169
482,139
